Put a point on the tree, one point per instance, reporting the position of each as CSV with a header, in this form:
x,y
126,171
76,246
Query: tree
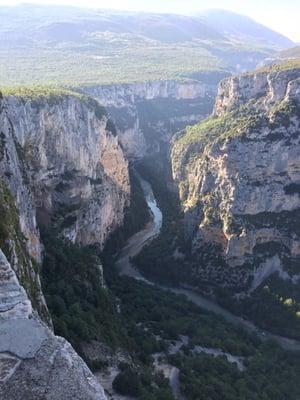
x,y
127,383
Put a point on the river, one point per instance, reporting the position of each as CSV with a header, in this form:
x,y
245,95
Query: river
x,y
135,244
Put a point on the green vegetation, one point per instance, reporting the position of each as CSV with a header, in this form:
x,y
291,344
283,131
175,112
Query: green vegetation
x,y
148,322
37,91
285,65
156,260
133,60
83,48
67,44
283,113
122,58
231,124
283,220
136,215
274,306
155,318
9,222
53,95
143,385
152,312
127,383
270,374
81,308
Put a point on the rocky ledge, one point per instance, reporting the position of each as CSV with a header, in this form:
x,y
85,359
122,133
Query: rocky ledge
x,y
35,364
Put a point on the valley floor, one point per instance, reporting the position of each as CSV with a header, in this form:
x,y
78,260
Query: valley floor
x,y
136,243
188,349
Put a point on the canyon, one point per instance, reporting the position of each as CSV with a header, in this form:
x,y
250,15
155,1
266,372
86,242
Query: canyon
x,y
61,166
65,166
147,114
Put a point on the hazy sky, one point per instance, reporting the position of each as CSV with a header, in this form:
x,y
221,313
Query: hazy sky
x,y
281,15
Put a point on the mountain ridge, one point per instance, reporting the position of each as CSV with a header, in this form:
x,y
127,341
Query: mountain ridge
x,y
99,46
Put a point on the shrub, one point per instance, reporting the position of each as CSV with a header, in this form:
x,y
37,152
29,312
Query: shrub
x,y
127,383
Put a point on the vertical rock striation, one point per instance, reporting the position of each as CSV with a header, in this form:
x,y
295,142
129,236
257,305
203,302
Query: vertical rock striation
x,y
238,175
19,234
79,171
61,166
147,114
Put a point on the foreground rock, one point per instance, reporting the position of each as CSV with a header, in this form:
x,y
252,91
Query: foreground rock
x,y
35,364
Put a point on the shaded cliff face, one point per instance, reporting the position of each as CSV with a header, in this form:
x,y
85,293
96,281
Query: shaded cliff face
x,y
30,353
238,175
149,113
19,235
60,165
76,168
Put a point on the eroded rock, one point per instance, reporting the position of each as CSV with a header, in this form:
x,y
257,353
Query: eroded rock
x,y
34,363
238,174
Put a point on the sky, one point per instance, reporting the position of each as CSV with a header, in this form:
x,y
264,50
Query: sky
x,y
280,15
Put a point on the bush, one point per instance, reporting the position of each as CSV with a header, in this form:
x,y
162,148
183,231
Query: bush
x,y
127,383
81,308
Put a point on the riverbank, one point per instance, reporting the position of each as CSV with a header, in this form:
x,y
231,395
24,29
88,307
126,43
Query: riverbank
x,y
136,243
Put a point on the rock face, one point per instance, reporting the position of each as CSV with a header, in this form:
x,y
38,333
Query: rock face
x,y
35,364
60,165
238,175
149,113
19,235
77,166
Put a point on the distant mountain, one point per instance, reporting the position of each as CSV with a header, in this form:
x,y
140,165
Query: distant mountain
x,y
68,23
165,28
71,23
60,44
243,28
283,56
292,53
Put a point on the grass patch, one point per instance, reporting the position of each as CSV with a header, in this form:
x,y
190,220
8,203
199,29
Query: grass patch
x,y
53,95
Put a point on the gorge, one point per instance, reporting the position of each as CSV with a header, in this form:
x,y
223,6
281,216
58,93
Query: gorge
x,y
135,244
149,225
82,190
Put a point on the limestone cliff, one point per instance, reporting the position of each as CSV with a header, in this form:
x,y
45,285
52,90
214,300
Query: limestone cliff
x,y
79,171
60,165
147,114
19,235
238,175
35,364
